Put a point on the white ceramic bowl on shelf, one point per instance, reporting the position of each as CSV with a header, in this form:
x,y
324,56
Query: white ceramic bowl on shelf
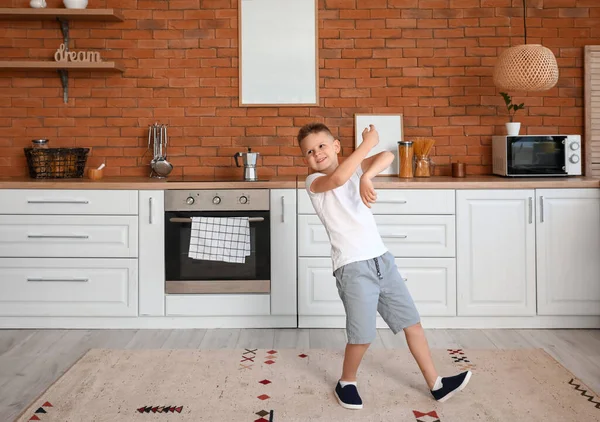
x,y
75,4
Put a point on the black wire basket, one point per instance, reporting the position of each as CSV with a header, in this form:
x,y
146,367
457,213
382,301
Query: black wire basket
x,y
56,163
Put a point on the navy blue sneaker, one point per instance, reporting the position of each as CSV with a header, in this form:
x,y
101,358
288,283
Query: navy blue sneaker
x,y
348,396
451,385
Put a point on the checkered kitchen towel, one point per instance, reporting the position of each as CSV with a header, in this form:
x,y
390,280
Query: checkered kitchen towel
x,y
220,239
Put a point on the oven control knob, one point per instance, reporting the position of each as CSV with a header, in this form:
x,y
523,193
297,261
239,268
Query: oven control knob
x,y
574,146
216,200
574,158
189,200
243,200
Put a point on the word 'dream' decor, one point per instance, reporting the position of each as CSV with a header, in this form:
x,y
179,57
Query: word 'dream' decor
x,y
62,55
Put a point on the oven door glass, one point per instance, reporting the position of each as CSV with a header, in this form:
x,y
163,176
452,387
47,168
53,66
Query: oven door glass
x,y
179,266
536,155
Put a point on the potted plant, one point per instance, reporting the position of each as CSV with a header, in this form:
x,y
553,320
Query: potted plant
x,y
512,128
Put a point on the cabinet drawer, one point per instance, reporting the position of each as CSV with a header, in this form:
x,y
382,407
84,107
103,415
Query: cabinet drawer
x,y
403,235
68,236
399,201
50,201
431,282
68,287
218,305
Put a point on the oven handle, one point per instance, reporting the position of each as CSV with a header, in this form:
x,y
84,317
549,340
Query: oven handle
x,y
189,220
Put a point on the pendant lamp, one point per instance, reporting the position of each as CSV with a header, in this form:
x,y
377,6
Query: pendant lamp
x,y
528,67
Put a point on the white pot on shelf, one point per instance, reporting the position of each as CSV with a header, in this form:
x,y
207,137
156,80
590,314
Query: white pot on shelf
x,y
37,4
75,4
512,128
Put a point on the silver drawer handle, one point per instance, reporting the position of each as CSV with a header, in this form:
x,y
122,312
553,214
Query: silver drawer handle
x,y
58,279
404,279
45,201
401,201
58,236
189,220
396,236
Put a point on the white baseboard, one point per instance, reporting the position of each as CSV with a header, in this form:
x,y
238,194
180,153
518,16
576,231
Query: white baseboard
x,y
467,322
288,322
150,322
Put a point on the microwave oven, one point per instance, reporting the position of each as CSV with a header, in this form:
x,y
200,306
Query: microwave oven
x,y
536,155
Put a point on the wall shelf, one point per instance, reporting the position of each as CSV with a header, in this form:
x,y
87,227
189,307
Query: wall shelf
x,y
63,16
62,68
28,65
14,13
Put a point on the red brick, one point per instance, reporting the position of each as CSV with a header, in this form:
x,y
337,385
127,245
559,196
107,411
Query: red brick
x,y
428,59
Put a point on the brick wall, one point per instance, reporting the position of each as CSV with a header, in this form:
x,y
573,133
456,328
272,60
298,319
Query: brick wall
x,y
431,60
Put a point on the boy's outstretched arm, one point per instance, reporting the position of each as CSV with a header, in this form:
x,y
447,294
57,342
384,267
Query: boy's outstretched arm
x,y
346,169
371,167
375,164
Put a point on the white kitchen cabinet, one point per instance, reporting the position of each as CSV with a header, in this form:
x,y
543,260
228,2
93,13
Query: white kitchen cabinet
x,y
152,252
69,236
213,305
568,251
495,252
399,201
403,235
431,282
317,291
68,287
283,251
68,202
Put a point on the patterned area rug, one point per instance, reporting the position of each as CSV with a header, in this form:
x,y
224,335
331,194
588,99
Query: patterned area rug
x,y
297,385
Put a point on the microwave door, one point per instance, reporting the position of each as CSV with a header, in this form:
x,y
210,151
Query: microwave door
x,y
536,156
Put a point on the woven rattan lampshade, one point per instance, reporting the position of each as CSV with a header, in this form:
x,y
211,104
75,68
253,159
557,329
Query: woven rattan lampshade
x,y
529,67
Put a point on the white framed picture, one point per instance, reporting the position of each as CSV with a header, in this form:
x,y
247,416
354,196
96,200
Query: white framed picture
x,y
278,52
389,127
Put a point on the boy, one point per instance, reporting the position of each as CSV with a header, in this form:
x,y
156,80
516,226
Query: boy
x,y
366,276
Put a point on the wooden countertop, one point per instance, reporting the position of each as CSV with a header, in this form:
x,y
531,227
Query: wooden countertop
x,y
380,182
482,182
146,183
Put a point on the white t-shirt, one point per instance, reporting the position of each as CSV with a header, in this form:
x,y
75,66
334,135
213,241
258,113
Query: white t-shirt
x,y
349,222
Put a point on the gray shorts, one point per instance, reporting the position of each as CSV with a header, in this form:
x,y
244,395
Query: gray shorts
x,y
371,286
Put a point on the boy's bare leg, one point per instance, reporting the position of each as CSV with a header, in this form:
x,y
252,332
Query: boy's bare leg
x,y
352,358
417,343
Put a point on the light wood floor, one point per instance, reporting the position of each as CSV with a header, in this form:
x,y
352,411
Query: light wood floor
x,y
31,360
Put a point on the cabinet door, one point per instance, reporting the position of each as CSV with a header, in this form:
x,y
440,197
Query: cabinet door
x,y
73,236
283,252
68,287
68,202
495,252
568,251
317,291
403,235
152,252
431,282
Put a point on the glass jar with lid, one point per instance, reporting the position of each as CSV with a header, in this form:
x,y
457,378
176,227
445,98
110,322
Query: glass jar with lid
x,y
39,143
405,156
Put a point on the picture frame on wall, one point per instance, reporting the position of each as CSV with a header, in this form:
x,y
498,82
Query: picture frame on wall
x,y
278,53
391,131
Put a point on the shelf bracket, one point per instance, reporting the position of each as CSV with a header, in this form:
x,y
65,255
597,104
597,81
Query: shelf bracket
x,y
64,79
64,27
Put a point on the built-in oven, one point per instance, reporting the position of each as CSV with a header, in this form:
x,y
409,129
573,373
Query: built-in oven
x,y
185,275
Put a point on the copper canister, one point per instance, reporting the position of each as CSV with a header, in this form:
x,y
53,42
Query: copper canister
x,y
458,170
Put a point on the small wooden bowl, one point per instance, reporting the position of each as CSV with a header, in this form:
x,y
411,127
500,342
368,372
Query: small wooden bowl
x,y
95,174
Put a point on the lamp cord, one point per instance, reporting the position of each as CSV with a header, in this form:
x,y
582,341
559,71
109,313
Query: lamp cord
x,y
525,19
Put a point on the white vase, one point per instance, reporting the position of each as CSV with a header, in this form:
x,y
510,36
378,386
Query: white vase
x,y
512,128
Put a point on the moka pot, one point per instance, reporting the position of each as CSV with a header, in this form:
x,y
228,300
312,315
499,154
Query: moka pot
x,y
249,160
